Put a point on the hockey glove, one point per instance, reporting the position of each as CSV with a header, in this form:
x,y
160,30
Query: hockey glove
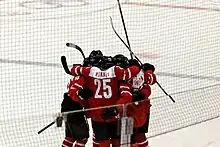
x,y
137,96
147,66
110,113
85,93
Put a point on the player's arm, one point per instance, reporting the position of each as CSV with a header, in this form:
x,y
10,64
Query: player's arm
x,y
125,93
146,91
78,69
150,77
126,73
78,90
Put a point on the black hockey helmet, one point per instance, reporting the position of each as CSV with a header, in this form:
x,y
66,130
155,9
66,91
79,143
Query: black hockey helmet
x,y
121,60
95,53
106,62
148,66
86,62
91,61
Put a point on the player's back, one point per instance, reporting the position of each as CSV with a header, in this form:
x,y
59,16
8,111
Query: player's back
x,y
104,84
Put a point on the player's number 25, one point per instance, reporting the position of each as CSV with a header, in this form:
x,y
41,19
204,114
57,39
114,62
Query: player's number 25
x,y
106,89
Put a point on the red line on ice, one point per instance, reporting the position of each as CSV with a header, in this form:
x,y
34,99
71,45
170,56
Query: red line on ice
x,y
171,6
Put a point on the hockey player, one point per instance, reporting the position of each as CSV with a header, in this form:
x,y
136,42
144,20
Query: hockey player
x,y
103,79
76,126
141,91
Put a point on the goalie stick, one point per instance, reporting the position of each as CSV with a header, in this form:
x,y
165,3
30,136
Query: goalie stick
x,y
129,48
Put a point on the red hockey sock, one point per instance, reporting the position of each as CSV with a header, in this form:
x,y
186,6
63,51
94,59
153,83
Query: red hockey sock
x,y
141,140
68,142
80,143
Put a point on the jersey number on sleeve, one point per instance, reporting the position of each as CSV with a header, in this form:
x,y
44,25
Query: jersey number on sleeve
x,y
106,90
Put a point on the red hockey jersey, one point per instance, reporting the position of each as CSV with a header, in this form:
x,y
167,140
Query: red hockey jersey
x,y
74,86
140,110
105,85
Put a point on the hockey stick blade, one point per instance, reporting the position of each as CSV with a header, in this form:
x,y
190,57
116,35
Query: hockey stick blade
x,y
46,127
76,47
65,66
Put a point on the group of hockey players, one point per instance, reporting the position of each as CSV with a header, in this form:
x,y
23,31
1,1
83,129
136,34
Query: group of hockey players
x,y
103,84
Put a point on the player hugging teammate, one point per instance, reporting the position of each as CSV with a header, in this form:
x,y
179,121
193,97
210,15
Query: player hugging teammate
x,y
104,81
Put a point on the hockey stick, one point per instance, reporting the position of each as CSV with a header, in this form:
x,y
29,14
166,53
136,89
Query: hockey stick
x,y
65,66
165,92
129,48
123,22
131,53
46,127
117,33
76,47
63,58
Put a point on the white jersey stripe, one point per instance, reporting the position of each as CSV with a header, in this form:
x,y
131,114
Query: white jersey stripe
x,y
68,141
143,142
96,142
79,144
126,92
126,87
124,76
129,73
151,79
77,85
76,70
81,70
